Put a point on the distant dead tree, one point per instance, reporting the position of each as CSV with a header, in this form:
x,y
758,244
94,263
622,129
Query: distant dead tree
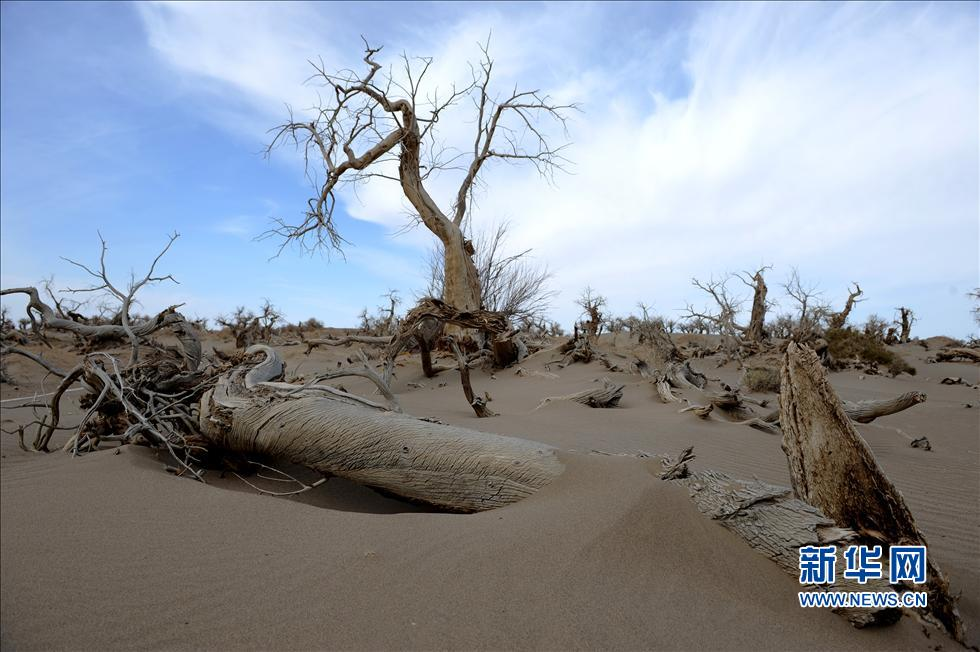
x,y
723,316
592,305
249,328
509,284
904,321
370,121
839,319
386,322
811,309
756,330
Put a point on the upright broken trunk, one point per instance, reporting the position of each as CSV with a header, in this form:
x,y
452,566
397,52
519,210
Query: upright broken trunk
x,y
756,331
833,469
838,319
449,467
907,317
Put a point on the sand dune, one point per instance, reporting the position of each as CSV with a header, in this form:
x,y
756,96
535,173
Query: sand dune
x,y
108,551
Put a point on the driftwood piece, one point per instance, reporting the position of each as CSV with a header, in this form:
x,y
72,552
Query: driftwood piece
x,y
777,525
663,391
730,401
675,469
702,411
868,411
763,425
577,349
921,442
450,467
682,376
833,469
509,349
606,396
960,353
345,340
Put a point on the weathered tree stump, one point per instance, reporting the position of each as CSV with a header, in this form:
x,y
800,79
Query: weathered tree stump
x,y
833,469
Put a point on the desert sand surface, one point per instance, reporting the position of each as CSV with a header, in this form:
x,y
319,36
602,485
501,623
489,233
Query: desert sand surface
x,y
109,551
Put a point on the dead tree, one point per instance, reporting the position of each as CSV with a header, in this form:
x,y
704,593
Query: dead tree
x,y
811,310
592,305
833,469
838,319
509,284
905,320
243,326
654,332
426,322
43,317
723,318
377,119
756,330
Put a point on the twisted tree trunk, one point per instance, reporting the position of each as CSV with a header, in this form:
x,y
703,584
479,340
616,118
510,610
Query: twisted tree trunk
x,y
446,466
833,469
756,331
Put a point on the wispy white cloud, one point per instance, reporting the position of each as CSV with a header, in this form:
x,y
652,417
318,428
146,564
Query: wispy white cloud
x,y
832,137
240,226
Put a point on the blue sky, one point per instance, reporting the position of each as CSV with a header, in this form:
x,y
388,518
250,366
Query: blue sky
x,y
839,138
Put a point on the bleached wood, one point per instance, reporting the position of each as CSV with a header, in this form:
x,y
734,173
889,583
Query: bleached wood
x,y
833,469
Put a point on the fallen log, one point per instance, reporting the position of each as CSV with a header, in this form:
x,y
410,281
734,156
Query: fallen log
x,y
761,424
777,525
702,411
606,396
345,340
868,411
453,468
833,469
955,354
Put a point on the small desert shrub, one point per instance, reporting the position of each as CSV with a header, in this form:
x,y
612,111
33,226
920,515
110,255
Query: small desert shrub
x,y
899,365
849,344
761,379
875,328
